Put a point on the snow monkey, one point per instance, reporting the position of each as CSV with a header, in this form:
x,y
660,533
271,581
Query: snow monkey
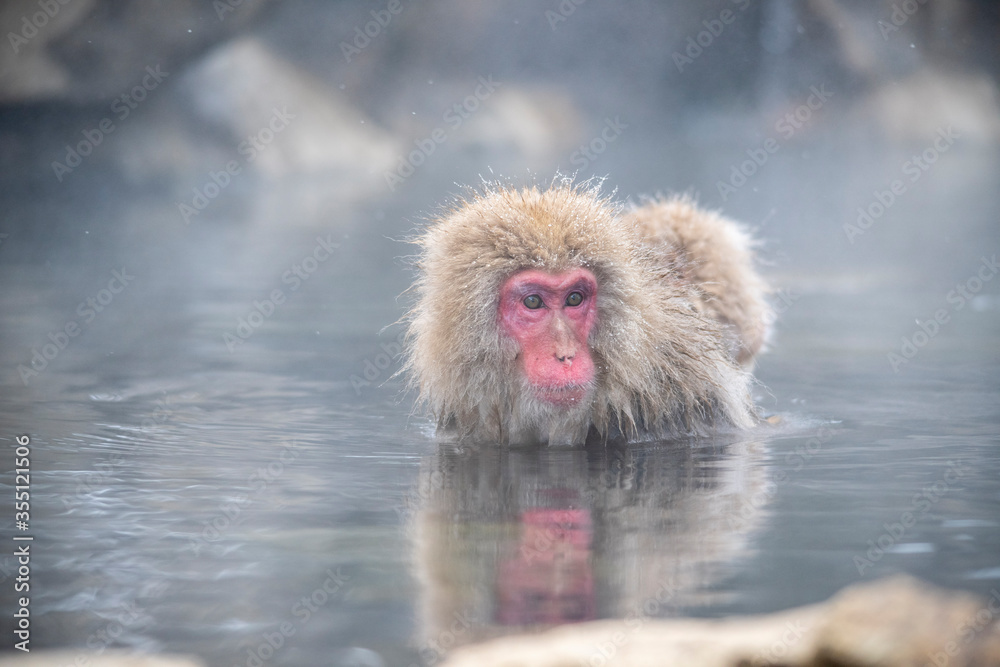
x,y
557,316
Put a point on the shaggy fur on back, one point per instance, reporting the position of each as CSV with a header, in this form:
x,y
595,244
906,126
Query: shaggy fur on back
x,y
673,323
715,255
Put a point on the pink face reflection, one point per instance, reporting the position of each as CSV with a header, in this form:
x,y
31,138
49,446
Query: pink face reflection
x,y
550,579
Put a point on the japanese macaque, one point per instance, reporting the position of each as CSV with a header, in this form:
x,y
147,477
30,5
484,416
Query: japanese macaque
x,y
554,316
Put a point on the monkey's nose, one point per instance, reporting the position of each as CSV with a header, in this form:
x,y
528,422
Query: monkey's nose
x,y
565,357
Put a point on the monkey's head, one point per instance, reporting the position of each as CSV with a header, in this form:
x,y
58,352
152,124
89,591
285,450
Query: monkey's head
x,y
542,315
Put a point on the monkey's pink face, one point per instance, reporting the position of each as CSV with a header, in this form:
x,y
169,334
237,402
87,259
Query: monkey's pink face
x,y
550,317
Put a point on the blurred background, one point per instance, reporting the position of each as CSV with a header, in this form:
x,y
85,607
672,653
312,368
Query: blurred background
x,y
653,98
203,226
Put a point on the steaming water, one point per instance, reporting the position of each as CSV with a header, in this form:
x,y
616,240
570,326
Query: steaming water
x,y
222,463
190,499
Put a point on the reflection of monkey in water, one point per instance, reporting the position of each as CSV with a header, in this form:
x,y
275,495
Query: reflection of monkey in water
x,y
548,316
548,578
508,540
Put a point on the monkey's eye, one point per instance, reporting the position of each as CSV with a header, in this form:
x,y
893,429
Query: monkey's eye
x,y
533,302
574,299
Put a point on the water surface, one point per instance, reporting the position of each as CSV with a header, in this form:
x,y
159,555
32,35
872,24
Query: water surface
x,y
275,503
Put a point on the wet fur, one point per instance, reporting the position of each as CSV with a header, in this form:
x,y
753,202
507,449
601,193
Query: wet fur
x,y
679,305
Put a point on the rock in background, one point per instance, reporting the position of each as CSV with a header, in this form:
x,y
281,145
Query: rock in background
x,y
391,115
86,51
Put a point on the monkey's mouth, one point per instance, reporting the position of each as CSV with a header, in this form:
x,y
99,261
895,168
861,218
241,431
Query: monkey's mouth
x,y
567,396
